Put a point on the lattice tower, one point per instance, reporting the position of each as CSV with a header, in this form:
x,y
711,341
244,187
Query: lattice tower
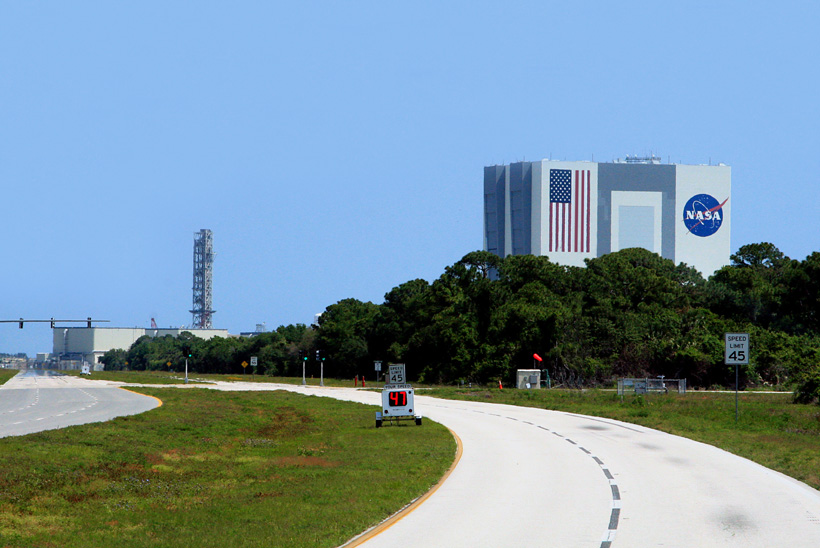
x,y
203,279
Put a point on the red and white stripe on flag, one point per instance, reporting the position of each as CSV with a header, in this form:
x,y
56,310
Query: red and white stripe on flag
x,y
570,207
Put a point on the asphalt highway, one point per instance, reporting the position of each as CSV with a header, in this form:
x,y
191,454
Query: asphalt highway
x,y
536,478
37,400
526,477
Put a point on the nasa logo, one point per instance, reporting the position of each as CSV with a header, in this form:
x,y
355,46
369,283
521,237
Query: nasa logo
x,y
703,215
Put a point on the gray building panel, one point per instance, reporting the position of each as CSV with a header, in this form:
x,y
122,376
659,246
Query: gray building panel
x,y
636,226
636,178
495,184
521,207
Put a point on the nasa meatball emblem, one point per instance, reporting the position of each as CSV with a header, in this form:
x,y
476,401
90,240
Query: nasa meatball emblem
x,y
703,215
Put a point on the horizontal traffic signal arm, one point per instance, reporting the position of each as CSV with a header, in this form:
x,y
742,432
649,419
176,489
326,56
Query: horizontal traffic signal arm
x,y
52,321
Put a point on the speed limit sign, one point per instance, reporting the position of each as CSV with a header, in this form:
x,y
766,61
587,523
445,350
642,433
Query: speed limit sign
x,y
396,374
737,349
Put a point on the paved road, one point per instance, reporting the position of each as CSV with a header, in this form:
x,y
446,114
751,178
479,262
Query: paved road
x,y
35,400
536,478
530,477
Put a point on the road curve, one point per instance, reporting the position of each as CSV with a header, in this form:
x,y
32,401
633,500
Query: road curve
x,y
531,477
35,400
535,478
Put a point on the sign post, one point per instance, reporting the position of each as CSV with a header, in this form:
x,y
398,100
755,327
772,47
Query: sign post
x,y
736,353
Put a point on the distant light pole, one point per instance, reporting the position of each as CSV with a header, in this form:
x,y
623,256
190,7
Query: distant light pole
x,y
321,360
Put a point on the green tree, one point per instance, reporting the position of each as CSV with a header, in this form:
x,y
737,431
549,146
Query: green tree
x,y
806,368
345,332
114,360
633,304
802,296
751,289
455,343
536,305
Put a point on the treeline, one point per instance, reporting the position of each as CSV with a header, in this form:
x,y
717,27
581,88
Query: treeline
x,y
629,313
277,352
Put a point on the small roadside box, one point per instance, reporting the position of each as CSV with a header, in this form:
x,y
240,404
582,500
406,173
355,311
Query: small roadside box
x,y
528,378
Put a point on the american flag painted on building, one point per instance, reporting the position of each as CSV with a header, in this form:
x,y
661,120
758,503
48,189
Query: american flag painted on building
x,y
570,205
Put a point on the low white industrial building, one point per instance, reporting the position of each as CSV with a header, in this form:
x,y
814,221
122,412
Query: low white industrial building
x,y
89,344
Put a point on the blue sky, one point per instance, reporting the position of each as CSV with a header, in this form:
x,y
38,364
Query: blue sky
x,y
336,149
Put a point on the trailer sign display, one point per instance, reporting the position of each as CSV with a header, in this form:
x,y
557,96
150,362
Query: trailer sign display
x,y
397,402
397,398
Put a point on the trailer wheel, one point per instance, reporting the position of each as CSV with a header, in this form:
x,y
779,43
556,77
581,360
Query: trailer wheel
x,y
418,421
378,423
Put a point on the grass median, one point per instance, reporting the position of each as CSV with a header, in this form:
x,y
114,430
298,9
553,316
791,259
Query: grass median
x,y
771,430
215,468
6,374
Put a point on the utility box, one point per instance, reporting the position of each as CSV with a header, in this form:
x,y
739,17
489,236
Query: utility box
x,y
528,378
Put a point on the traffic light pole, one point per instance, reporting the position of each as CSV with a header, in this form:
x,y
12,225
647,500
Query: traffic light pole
x,y
186,370
321,361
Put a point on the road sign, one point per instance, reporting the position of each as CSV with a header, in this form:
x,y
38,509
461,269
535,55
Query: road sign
x,y
396,374
244,364
254,361
736,349
377,365
397,402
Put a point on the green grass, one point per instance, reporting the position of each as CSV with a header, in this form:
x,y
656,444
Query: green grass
x,y
771,430
166,377
333,382
216,469
6,374
136,377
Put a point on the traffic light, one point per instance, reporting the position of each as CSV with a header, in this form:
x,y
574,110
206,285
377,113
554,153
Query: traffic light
x,y
21,323
318,355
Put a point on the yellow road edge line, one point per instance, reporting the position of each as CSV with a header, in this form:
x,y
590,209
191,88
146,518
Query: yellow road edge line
x,y
407,510
146,395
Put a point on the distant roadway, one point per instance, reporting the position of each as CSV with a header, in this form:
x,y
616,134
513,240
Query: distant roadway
x,y
37,400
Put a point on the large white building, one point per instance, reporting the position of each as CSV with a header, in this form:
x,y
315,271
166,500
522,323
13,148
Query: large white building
x,y
88,344
571,211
